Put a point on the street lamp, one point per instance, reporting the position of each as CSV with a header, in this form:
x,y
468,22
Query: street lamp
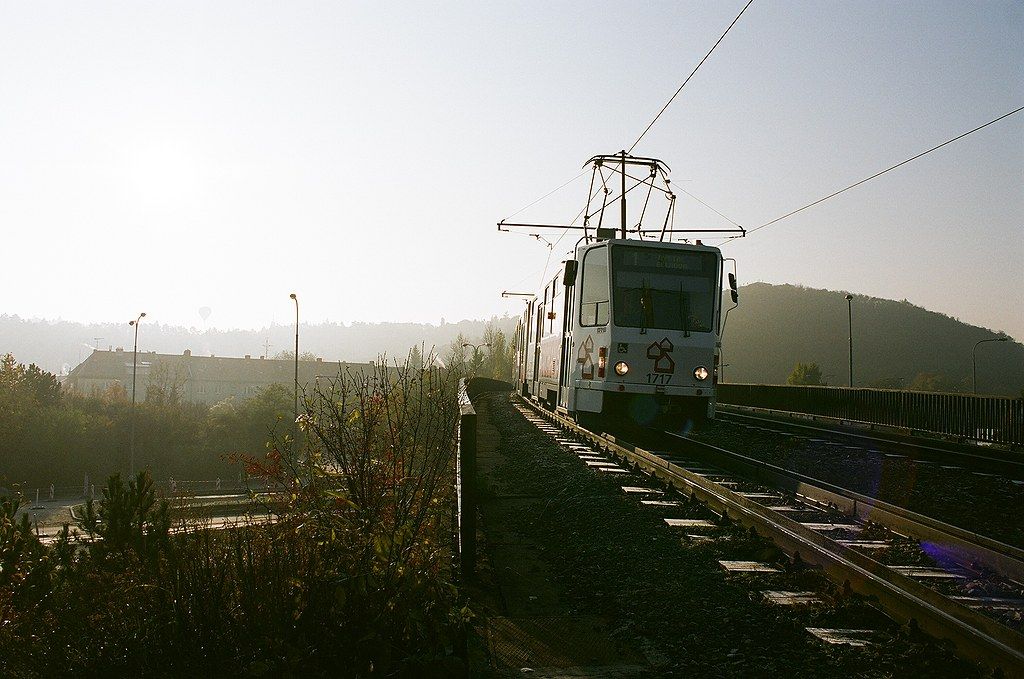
x,y
974,357
135,366
849,308
296,300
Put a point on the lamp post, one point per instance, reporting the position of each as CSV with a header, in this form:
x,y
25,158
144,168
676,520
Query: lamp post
x,y
135,366
296,300
476,347
974,357
849,309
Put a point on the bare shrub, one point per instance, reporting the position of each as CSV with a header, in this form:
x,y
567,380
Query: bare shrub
x,y
351,578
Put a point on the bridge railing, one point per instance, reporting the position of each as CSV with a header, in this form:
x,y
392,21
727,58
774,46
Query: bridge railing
x,y
989,419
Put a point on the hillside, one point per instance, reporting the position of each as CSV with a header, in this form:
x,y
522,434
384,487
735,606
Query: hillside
x,y
776,326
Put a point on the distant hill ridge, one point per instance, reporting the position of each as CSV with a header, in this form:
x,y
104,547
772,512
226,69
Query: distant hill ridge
x,y
776,326
56,344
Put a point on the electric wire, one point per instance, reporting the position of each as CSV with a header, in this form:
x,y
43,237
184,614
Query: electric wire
x,y
672,98
888,169
549,193
547,262
642,134
726,218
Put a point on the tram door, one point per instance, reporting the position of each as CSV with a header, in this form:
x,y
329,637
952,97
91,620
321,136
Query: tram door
x,y
527,347
536,347
567,363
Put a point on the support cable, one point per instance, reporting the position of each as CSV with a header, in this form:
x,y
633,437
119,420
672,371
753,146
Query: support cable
x,y
549,193
888,169
672,98
731,221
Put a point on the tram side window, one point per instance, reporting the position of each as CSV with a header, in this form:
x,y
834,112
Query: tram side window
x,y
594,293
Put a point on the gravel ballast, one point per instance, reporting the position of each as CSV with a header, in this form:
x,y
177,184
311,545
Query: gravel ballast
x,y
663,597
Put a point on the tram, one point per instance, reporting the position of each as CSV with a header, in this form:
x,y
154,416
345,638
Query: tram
x,y
627,329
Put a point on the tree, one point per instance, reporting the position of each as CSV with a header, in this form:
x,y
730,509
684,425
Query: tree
x,y
245,426
25,391
416,358
806,374
499,359
476,362
166,384
928,381
887,383
288,355
30,383
455,357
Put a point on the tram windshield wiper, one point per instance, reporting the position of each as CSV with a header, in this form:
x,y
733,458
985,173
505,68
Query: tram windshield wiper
x,y
684,311
645,305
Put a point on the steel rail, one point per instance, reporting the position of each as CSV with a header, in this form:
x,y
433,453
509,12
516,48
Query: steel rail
x,y
902,598
967,546
937,449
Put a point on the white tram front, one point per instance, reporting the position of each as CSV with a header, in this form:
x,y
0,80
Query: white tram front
x,y
628,329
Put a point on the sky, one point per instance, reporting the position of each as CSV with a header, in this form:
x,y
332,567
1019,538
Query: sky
x,y
166,157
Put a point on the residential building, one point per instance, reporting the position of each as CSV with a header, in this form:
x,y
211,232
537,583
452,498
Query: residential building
x,y
199,379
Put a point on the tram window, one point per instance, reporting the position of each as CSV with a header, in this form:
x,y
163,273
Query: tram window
x,y
665,289
594,293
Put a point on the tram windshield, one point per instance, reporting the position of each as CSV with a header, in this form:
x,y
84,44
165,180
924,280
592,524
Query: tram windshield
x,y
664,288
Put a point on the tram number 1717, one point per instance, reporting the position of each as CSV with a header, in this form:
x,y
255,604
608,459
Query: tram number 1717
x,y
658,378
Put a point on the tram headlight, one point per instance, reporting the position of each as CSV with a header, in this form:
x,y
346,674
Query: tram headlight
x,y
621,368
700,372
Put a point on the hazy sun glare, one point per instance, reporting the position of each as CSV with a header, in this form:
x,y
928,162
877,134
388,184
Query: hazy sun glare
x,y
163,171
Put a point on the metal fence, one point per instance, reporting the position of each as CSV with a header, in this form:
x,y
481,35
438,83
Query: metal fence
x,y
465,486
989,419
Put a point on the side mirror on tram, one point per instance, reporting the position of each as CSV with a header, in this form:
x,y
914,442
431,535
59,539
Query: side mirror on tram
x,y
732,282
569,278
735,296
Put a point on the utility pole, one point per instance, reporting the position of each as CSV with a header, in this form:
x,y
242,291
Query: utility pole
x,y
623,200
849,308
296,300
135,365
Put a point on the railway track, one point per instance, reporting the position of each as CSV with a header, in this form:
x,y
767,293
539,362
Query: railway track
x,y
1003,462
918,569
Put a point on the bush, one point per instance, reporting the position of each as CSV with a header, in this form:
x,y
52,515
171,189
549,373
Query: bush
x,y
351,578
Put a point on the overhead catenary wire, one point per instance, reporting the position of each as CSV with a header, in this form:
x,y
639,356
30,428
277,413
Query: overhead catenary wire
x,y
888,169
725,217
642,134
695,68
546,195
